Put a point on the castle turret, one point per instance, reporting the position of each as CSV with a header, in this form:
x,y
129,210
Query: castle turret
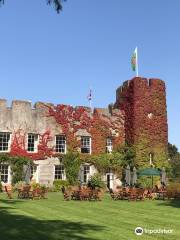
x,y
144,103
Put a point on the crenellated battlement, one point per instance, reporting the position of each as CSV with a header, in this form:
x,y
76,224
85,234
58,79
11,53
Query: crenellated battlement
x,y
22,106
42,116
141,83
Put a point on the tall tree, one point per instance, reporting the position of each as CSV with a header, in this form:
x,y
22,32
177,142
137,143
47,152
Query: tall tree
x,y
174,158
56,3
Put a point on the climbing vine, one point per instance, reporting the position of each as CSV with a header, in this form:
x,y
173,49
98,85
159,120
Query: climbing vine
x,y
18,145
17,164
103,162
97,124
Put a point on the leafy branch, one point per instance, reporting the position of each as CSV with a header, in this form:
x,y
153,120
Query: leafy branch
x,y
57,4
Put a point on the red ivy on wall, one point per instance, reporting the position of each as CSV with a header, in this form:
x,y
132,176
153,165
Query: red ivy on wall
x,y
97,124
18,146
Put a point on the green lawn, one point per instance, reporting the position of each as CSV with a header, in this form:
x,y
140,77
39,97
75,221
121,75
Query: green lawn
x,y
54,218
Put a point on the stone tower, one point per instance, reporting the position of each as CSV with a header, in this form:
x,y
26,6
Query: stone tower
x,y
144,103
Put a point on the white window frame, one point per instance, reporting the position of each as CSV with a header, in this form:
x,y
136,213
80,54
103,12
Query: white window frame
x,y
63,175
90,143
83,173
65,146
8,174
9,142
36,142
109,145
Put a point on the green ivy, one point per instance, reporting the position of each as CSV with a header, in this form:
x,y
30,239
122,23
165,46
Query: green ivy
x,y
72,164
16,163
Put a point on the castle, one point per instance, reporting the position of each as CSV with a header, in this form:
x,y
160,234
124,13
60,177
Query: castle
x,y
138,117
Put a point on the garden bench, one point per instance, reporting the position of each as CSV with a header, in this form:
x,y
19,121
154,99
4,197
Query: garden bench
x,y
37,193
97,194
24,192
85,194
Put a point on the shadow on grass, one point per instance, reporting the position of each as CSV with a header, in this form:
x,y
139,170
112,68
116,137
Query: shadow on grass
x,y
172,203
19,227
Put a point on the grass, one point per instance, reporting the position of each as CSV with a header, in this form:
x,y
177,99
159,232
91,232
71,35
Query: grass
x,y
56,219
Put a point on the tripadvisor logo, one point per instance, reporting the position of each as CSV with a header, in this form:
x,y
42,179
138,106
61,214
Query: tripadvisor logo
x,y
138,231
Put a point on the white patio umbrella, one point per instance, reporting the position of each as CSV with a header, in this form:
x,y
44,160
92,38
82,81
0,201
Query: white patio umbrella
x,y
163,176
134,176
27,173
128,175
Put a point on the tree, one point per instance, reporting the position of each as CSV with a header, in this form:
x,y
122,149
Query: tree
x,y
57,4
174,158
172,150
128,152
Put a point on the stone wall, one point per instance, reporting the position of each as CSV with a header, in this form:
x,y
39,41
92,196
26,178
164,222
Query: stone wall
x,y
48,120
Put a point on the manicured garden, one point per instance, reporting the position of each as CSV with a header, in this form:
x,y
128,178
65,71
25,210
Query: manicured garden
x,y
53,218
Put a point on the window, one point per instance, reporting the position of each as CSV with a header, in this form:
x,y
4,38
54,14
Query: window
x,y
4,173
85,145
4,141
109,145
59,172
60,144
32,142
86,173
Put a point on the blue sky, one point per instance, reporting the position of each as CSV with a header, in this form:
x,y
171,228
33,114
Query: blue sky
x,y
56,58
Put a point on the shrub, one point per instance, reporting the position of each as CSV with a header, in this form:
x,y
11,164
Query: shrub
x,y
173,190
72,164
96,181
57,184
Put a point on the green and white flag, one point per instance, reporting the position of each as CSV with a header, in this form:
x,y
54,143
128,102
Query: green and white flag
x,y
134,61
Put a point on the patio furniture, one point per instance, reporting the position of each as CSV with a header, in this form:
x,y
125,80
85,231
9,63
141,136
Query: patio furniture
x,y
114,195
132,194
162,194
75,195
67,195
140,194
24,192
36,194
85,194
149,194
125,193
8,190
96,194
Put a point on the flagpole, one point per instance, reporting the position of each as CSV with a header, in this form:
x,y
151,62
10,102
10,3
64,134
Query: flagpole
x,y
90,99
90,104
137,62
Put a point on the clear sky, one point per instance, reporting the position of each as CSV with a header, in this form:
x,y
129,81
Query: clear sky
x,y
56,58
